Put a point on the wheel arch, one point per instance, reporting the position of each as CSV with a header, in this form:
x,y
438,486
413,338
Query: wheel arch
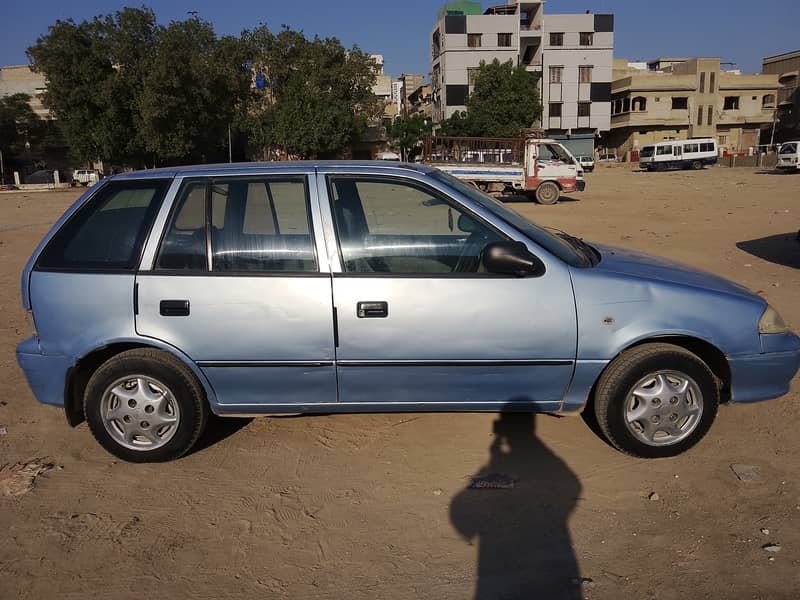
x,y
712,356
80,373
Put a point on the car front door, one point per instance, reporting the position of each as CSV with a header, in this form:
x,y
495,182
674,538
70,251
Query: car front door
x,y
420,323
236,285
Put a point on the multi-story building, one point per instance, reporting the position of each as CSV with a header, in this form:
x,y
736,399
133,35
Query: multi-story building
x,y
22,80
411,82
787,118
572,52
677,98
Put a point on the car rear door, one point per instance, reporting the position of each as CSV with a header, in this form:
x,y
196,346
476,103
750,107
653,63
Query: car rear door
x,y
237,283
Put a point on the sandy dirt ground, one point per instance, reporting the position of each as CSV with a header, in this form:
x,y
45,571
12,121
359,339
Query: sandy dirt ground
x,y
375,506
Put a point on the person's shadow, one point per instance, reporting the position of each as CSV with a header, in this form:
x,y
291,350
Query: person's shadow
x,y
524,547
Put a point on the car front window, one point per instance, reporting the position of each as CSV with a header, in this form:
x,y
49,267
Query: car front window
x,y
550,241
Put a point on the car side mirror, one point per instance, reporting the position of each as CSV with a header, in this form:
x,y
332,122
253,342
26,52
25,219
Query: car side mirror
x,y
511,258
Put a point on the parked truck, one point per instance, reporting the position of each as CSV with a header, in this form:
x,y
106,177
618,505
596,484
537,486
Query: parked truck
x,y
530,164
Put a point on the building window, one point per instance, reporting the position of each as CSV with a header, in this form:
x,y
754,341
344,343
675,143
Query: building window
x,y
555,74
626,105
587,38
474,40
555,109
680,103
731,103
699,115
639,104
584,109
584,74
723,139
504,40
472,74
712,82
703,83
710,115
556,39
768,101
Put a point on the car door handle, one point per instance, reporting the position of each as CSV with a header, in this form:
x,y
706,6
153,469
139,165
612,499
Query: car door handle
x,y
372,310
174,308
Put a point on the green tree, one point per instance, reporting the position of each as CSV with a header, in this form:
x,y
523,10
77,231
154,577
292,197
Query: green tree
x,y
408,132
94,72
504,101
193,86
18,124
318,96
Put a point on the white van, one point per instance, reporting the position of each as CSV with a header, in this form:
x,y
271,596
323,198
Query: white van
x,y
694,153
789,156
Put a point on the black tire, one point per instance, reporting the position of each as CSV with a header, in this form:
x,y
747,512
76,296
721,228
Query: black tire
x,y
697,165
548,193
185,389
629,368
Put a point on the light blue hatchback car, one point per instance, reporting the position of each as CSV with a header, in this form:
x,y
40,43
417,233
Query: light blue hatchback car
x,y
252,289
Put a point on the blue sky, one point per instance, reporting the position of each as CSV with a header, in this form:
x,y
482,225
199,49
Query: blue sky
x,y
734,29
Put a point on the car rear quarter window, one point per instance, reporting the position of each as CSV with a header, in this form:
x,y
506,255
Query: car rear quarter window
x,y
108,232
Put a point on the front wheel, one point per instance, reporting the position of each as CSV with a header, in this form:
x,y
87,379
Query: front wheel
x,y
656,400
547,193
144,405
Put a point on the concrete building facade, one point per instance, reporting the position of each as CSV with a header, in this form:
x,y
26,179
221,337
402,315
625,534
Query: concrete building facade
x,y
21,79
787,110
682,98
573,53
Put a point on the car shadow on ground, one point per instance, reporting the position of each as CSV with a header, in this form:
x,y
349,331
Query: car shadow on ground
x,y
782,249
524,545
218,429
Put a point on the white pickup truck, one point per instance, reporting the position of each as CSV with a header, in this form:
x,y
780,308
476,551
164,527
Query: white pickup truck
x,y
538,166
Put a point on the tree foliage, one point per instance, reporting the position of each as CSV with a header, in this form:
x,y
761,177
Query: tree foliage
x,y
94,73
126,89
18,124
192,88
505,99
408,132
318,95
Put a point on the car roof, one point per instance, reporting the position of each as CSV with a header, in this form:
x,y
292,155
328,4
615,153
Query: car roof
x,y
243,168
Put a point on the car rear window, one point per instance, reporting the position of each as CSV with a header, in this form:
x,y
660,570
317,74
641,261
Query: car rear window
x,y
108,231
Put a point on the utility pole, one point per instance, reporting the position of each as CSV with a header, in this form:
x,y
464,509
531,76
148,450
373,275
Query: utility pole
x,y
230,151
774,118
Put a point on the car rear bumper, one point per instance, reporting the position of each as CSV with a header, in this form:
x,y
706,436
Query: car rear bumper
x,y
764,376
46,374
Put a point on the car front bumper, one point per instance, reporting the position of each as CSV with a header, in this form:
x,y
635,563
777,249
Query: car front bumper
x,y
46,374
768,375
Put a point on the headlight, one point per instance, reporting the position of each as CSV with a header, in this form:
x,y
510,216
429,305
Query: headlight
x,y
771,322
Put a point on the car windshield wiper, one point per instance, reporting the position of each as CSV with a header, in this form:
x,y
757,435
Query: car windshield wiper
x,y
591,255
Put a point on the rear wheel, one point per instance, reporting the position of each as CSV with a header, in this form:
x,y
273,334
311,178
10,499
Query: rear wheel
x,y
547,193
697,165
144,405
656,400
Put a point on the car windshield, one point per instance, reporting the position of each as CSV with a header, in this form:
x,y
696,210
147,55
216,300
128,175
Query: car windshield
x,y
647,152
790,148
570,249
